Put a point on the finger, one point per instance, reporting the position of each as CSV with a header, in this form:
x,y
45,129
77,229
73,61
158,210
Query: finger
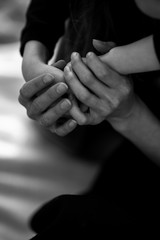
x,y
103,47
76,112
42,102
66,128
86,76
23,101
101,70
81,92
35,85
59,64
49,118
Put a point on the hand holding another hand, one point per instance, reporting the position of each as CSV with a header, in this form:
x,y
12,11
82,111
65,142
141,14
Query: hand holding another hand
x,y
108,94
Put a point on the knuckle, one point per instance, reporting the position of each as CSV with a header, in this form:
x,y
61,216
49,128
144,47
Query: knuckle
x,y
30,114
52,129
37,84
126,90
51,93
24,90
88,78
115,103
44,121
103,74
36,106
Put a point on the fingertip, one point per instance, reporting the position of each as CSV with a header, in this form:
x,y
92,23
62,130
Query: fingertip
x,y
72,123
90,54
66,128
74,55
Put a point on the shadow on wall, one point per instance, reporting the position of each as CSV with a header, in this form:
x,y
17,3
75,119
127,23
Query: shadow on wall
x,y
12,18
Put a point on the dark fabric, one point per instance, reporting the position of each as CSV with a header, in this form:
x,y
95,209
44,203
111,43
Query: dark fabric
x,y
45,22
125,194
72,214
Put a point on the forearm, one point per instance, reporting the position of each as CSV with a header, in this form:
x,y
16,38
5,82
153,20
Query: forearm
x,y
136,57
142,128
35,54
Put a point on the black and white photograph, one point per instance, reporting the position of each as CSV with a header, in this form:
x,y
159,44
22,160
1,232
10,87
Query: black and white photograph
x,y
79,118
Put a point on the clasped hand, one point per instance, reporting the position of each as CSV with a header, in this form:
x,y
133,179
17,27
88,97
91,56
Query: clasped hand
x,y
104,94
107,94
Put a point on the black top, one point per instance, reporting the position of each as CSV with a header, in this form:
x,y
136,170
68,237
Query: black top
x,y
45,23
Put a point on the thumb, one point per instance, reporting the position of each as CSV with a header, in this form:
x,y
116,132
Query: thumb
x,y
103,47
59,64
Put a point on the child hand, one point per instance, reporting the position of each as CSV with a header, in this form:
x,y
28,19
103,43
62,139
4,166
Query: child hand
x,y
103,47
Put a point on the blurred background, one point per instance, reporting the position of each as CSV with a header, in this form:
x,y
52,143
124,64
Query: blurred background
x,y
32,169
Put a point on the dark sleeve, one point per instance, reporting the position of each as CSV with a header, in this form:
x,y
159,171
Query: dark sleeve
x,y
44,22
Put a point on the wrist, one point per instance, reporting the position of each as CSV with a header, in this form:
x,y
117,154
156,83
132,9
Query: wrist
x,y
34,58
113,58
123,124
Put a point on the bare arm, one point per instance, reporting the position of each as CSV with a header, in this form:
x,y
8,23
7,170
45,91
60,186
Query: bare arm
x,y
136,57
35,62
112,98
142,128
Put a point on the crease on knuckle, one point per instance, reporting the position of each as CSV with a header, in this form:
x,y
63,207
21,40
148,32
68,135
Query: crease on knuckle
x,y
51,94
126,90
58,111
88,79
44,121
36,106
103,74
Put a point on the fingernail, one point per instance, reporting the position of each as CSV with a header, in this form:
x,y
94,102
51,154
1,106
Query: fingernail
x,y
72,123
90,54
67,68
65,104
48,78
61,88
75,54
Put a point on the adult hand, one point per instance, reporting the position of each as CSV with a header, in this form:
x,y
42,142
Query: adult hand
x,y
43,102
108,94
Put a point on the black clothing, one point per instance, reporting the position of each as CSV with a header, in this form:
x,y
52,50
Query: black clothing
x,y
127,189
45,22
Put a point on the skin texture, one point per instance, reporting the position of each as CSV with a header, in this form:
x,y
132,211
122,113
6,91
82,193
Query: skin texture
x,y
34,69
107,94
38,105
